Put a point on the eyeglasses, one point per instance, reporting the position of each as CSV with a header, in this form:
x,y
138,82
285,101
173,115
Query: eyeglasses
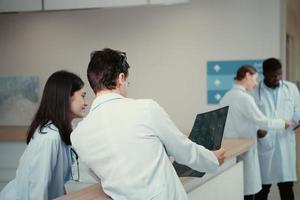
x,y
75,175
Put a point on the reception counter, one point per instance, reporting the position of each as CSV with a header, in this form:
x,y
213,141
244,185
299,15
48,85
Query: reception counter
x,y
226,183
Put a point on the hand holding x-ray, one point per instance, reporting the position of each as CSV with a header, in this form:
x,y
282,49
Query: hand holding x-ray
x,y
220,154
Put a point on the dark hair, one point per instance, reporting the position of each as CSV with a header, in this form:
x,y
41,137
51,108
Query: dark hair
x,y
104,68
271,64
243,70
55,104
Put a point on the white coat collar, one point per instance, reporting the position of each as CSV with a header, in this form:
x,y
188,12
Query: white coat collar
x,y
105,98
49,125
271,89
239,87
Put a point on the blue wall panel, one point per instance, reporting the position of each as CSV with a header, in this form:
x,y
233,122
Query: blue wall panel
x,y
220,76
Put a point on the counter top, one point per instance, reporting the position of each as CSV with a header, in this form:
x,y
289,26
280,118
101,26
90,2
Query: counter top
x,y
236,147
13,133
93,192
233,148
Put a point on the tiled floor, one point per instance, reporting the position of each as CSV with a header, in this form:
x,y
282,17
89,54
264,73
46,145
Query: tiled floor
x,y
274,194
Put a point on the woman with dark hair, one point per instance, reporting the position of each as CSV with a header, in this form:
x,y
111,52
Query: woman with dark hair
x,y
45,165
244,118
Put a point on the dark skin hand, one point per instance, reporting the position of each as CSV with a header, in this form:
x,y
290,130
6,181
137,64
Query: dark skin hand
x,y
261,133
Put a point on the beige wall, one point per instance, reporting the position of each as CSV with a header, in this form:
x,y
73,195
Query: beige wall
x,y
293,29
167,46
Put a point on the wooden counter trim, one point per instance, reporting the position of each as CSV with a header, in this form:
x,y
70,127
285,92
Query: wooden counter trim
x,y
234,147
93,192
13,133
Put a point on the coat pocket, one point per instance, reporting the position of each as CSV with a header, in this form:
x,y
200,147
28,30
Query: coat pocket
x,y
265,144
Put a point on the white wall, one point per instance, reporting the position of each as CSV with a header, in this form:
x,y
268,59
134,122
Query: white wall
x,y
10,152
167,46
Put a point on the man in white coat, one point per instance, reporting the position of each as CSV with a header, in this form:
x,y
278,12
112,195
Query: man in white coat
x,y
127,142
277,148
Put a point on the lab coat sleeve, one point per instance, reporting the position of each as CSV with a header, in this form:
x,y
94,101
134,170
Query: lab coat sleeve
x,y
44,163
178,145
93,175
251,111
295,93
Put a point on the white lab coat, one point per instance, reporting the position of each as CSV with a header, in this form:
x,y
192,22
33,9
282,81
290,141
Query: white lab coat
x,y
244,117
277,150
43,169
126,143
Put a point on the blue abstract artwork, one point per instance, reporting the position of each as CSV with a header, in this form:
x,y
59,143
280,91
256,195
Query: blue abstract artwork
x,y
19,96
220,76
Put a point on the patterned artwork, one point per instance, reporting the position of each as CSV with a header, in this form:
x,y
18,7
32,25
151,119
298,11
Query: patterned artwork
x,y
220,76
18,99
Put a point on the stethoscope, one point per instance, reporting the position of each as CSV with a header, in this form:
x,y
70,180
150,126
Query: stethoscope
x,y
74,155
283,84
73,152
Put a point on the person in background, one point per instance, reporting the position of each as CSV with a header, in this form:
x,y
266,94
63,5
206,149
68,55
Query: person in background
x,y
45,165
244,118
127,142
277,148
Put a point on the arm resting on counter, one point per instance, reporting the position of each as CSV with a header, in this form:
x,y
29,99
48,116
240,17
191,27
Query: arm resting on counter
x,y
234,147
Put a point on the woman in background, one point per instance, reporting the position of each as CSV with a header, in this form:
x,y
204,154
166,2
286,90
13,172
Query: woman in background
x,y
45,165
244,119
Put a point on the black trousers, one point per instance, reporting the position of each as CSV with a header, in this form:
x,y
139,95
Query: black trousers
x,y
285,190
249,197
